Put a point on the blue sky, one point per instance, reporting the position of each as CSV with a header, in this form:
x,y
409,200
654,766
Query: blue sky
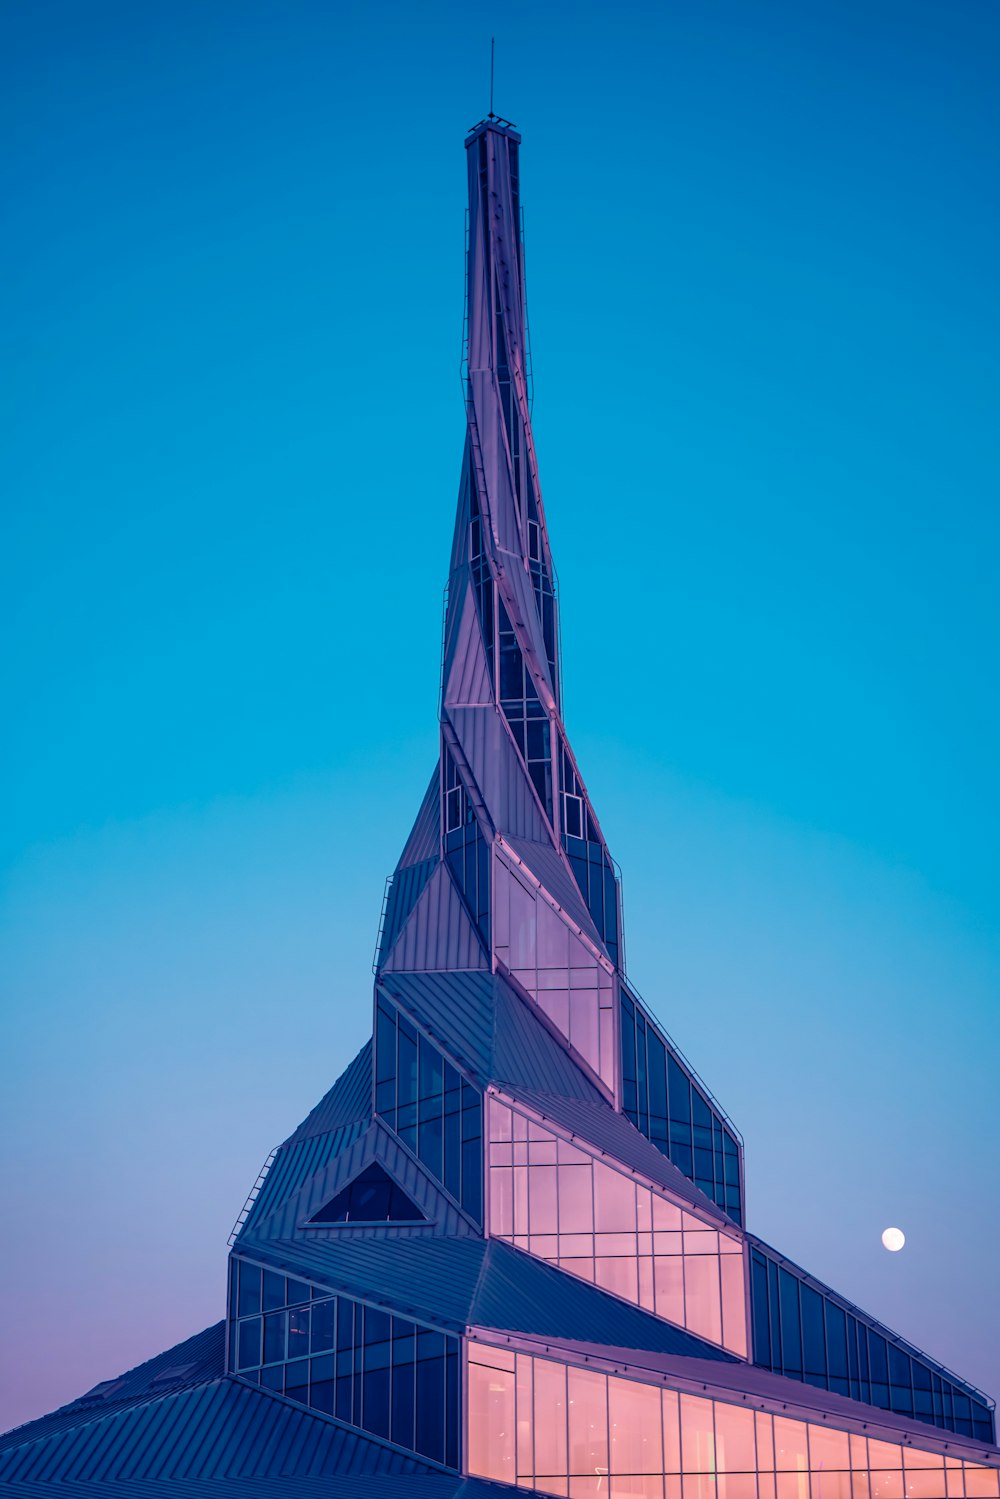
x,y
761,246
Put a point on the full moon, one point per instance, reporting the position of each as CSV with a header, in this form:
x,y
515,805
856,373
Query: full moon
x,y
893,1239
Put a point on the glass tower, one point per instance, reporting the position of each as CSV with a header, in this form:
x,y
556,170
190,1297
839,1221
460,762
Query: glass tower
x,y
509,1246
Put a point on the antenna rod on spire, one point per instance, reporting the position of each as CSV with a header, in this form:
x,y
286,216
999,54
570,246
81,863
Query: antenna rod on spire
x,y
493,43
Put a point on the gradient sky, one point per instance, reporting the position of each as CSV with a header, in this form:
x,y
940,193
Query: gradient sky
x,y
762,242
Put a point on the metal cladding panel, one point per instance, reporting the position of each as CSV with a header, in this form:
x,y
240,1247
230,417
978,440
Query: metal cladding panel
x,y
432,1279
357,1485
349,1100
455,1009
295,1164
425,835
439,934
498,772
404,892
526,1054
519,1293
552,872
758,1386
617,1137
467,676
220,1429
377,1144
195,1360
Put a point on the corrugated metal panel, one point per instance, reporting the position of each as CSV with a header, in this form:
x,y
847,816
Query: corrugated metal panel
x,y
518,1293
526,1054
498,772
550,870
294,1165
200,1357
759,1385
425,835
221,1429
455,1009
376,1144
345,1486
431,1279
467,676
404,892
349,1100
439,934
614,1135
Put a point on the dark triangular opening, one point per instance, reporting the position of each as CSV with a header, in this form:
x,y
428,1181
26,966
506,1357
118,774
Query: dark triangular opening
x,y
372,1197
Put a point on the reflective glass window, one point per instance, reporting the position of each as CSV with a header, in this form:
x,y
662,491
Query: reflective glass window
x,y
382,1373
432,1109
563,1204
554,1426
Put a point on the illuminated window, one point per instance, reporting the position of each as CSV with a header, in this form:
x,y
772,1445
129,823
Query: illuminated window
x,y
555,1200
545,1424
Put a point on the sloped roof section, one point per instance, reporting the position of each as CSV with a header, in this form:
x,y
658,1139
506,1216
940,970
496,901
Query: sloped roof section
x,y
192,1362
377,1144
353,1485
425,835
490,1030
219,1429
457,1283
349,1100
455,1009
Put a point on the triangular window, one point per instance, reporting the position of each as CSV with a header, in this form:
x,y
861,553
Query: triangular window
x,y
372,1197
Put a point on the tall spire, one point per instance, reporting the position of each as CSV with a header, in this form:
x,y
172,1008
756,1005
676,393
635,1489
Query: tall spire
x,y
520,846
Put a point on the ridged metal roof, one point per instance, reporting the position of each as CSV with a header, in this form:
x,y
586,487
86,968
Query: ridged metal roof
x,y
425,835
295,1164
192,1362
221,1429
490,1030
453,1008
348,1100
439,934
346,1486
457,1283
599,1125
314,1190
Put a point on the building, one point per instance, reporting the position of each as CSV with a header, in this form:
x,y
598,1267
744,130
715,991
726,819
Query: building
x,y
509,1247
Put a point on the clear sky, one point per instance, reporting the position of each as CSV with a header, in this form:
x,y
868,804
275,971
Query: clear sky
x,y
762,242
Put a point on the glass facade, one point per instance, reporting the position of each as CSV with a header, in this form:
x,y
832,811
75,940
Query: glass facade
x,y
482,578
528,720
465,848
590,860
566,978
801,1332
665,1102
430,1106
545,1424
385,1374
558,1202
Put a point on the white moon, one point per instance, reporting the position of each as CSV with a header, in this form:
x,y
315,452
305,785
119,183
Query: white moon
x,y
893,1239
